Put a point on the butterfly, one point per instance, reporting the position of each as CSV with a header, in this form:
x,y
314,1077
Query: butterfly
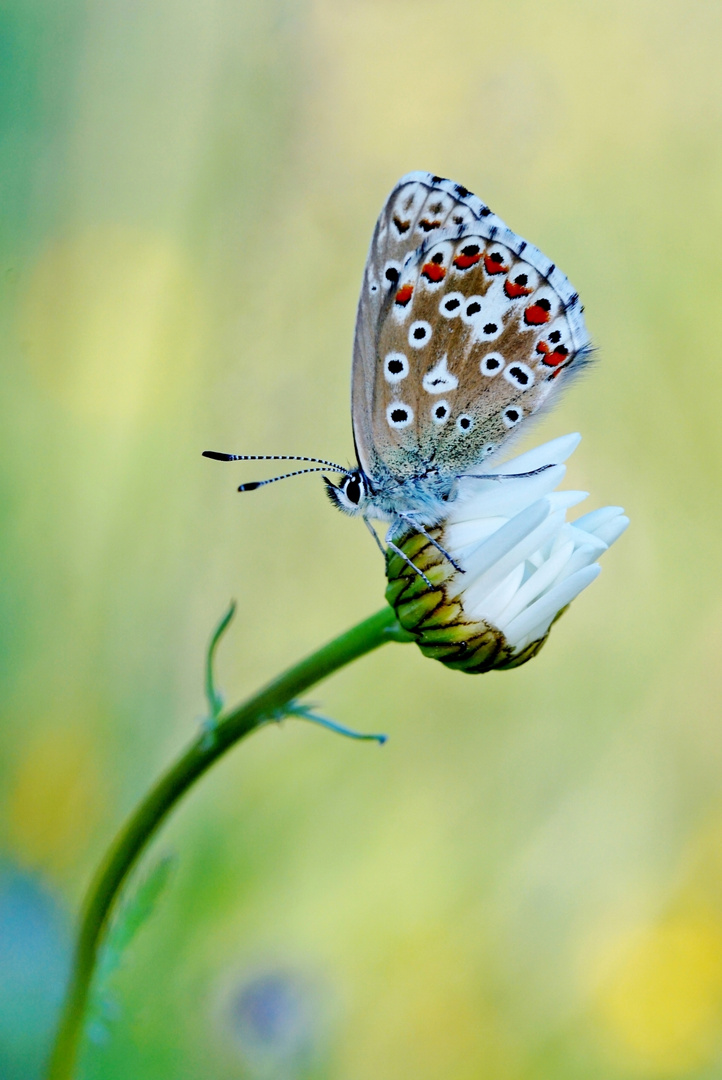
x,y
463,331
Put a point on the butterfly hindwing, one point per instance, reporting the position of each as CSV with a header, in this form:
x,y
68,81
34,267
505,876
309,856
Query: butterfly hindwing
x,y
463,330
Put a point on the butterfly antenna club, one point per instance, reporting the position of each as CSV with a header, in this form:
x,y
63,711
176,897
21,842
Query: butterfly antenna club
x,y
253,484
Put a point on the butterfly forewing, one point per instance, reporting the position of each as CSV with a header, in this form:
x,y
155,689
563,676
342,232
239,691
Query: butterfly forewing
x,y
463,331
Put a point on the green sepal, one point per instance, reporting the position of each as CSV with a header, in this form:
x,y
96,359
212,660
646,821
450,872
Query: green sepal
x,y
412,613
436,621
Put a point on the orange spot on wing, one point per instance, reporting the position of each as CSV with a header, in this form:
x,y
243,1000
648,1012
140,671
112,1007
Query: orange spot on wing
x,y
433,271
513,290
535,315
556,358
404,295
552,358
463,262
493,267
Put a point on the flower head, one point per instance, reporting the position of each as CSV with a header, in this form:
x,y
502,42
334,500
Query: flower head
x,y
523,563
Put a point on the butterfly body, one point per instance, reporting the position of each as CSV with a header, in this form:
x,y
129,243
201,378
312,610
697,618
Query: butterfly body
x,y
388,497
463,331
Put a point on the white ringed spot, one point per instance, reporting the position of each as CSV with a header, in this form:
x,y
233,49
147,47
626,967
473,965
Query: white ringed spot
x,y
472,310
489,327
419,334
399,415
492,364
396,367
519,375
465,423
440,412
392,273
512,415
452,305
439,380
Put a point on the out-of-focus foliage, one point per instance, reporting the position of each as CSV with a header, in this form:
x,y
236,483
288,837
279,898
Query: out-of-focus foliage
x,y
526,881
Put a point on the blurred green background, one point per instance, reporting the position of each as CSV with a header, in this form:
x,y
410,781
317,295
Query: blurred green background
x,y
526,881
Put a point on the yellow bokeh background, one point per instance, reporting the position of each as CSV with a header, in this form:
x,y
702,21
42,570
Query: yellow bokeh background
x,y
525,881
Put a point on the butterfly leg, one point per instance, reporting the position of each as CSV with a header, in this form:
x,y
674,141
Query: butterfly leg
x,y
504,476
407,560
394,548
437,545
373,532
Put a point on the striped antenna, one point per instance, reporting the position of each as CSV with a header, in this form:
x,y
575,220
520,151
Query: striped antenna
x,y
217,456
260,483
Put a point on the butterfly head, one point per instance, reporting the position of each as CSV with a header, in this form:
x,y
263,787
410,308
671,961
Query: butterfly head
x,y
352,494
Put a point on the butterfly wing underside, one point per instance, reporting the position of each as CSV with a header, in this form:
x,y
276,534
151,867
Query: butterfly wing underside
x,y
463,330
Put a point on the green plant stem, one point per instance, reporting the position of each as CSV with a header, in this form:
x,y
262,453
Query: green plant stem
x,y
264,707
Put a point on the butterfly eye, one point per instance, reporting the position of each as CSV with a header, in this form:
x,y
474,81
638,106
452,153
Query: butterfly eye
x,y
440,412
465,423
511,416
451,305
399,415
352,491
419,334
492,364
519,375
396,367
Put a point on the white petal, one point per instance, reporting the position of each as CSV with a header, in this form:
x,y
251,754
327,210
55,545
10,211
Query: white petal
x,y
582,538
500,543
591,521
499,598
563,537
536,584
551,453
501,498
564,500
463,535
540,614
477,591
582,557
612,530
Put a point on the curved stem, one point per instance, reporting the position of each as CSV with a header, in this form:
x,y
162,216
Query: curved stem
x,y
264,707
